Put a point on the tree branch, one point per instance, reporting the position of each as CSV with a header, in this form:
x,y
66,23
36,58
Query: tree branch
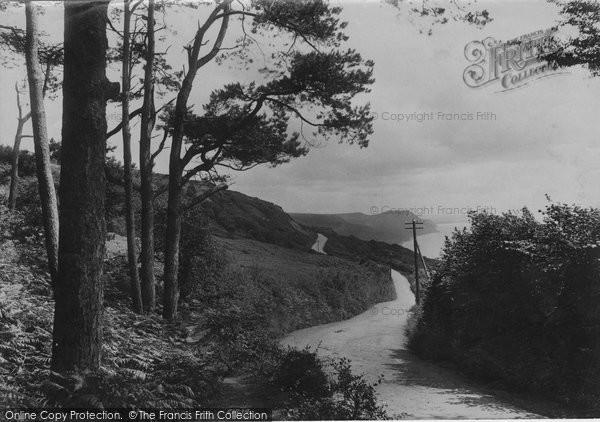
x,y
295,111
46,78
19,101
218,42
160,147
194,50
206,165
136,5
290,28
12,28
117,128
112,27
204,196
242,168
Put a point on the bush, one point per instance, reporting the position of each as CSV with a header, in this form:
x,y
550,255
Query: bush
x,y
200,262
27,167
346,396
517,300
302,372
29,205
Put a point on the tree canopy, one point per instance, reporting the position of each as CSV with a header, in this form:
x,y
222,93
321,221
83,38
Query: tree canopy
x,y
307,81
583,47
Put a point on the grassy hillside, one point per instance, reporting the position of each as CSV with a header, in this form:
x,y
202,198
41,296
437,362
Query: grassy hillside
x,y
310,288
385,227
230,214
394,256
235,215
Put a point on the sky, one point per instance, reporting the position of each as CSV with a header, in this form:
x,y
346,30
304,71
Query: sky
x,y
539,139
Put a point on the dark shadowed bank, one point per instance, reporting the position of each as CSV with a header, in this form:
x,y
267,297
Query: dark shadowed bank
x,y
517,301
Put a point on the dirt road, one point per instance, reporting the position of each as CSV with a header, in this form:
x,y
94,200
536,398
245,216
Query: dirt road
x,y
412,388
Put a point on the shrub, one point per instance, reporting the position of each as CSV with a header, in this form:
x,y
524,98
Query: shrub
x,y
27,167
201,262
347,396
29,205
516,300
302,372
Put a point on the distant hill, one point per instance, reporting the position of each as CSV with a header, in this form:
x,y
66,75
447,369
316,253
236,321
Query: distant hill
x,y
386,227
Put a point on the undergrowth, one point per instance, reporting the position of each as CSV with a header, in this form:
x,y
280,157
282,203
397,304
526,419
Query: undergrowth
x,y
227,327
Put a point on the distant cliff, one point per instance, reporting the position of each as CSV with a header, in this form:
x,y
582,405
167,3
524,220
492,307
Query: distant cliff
x,y
386,227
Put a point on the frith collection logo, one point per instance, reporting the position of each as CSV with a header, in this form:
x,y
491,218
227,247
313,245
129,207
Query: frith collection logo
x,y
513,63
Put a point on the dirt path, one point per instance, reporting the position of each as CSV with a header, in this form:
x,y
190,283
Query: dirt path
x,y
412,388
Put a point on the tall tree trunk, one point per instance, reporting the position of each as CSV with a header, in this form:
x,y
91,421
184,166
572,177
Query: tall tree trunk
x,y
78,291
147,193
171,283
14,172
173,235
134,277
40,139
177,166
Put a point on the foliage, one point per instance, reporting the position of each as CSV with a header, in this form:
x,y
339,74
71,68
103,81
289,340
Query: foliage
x,y
165,79
145,364
200,260
309,81
395,256
516,299
348,396
115,197
25,317
231,322
55,148
12,39
26,219
247,308
233,214
302,372
29,205
581,49
429,13
26,163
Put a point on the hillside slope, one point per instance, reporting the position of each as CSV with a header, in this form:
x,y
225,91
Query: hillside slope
x,y
228,214
235,215
309,288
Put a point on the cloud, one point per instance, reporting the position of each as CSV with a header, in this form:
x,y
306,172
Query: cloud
x,y
542,139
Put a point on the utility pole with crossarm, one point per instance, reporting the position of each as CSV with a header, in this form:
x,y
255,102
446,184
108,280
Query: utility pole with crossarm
x,y
414,225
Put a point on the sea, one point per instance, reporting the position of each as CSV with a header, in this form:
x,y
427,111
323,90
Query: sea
x,y
431,244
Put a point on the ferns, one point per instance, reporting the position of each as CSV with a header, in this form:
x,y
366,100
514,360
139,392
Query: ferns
x,y
135,373
144,362
25,321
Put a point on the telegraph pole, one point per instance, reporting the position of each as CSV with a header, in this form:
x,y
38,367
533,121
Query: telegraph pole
x,y
414,228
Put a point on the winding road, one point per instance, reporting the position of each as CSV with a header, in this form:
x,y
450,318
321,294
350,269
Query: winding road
x,y
375,343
